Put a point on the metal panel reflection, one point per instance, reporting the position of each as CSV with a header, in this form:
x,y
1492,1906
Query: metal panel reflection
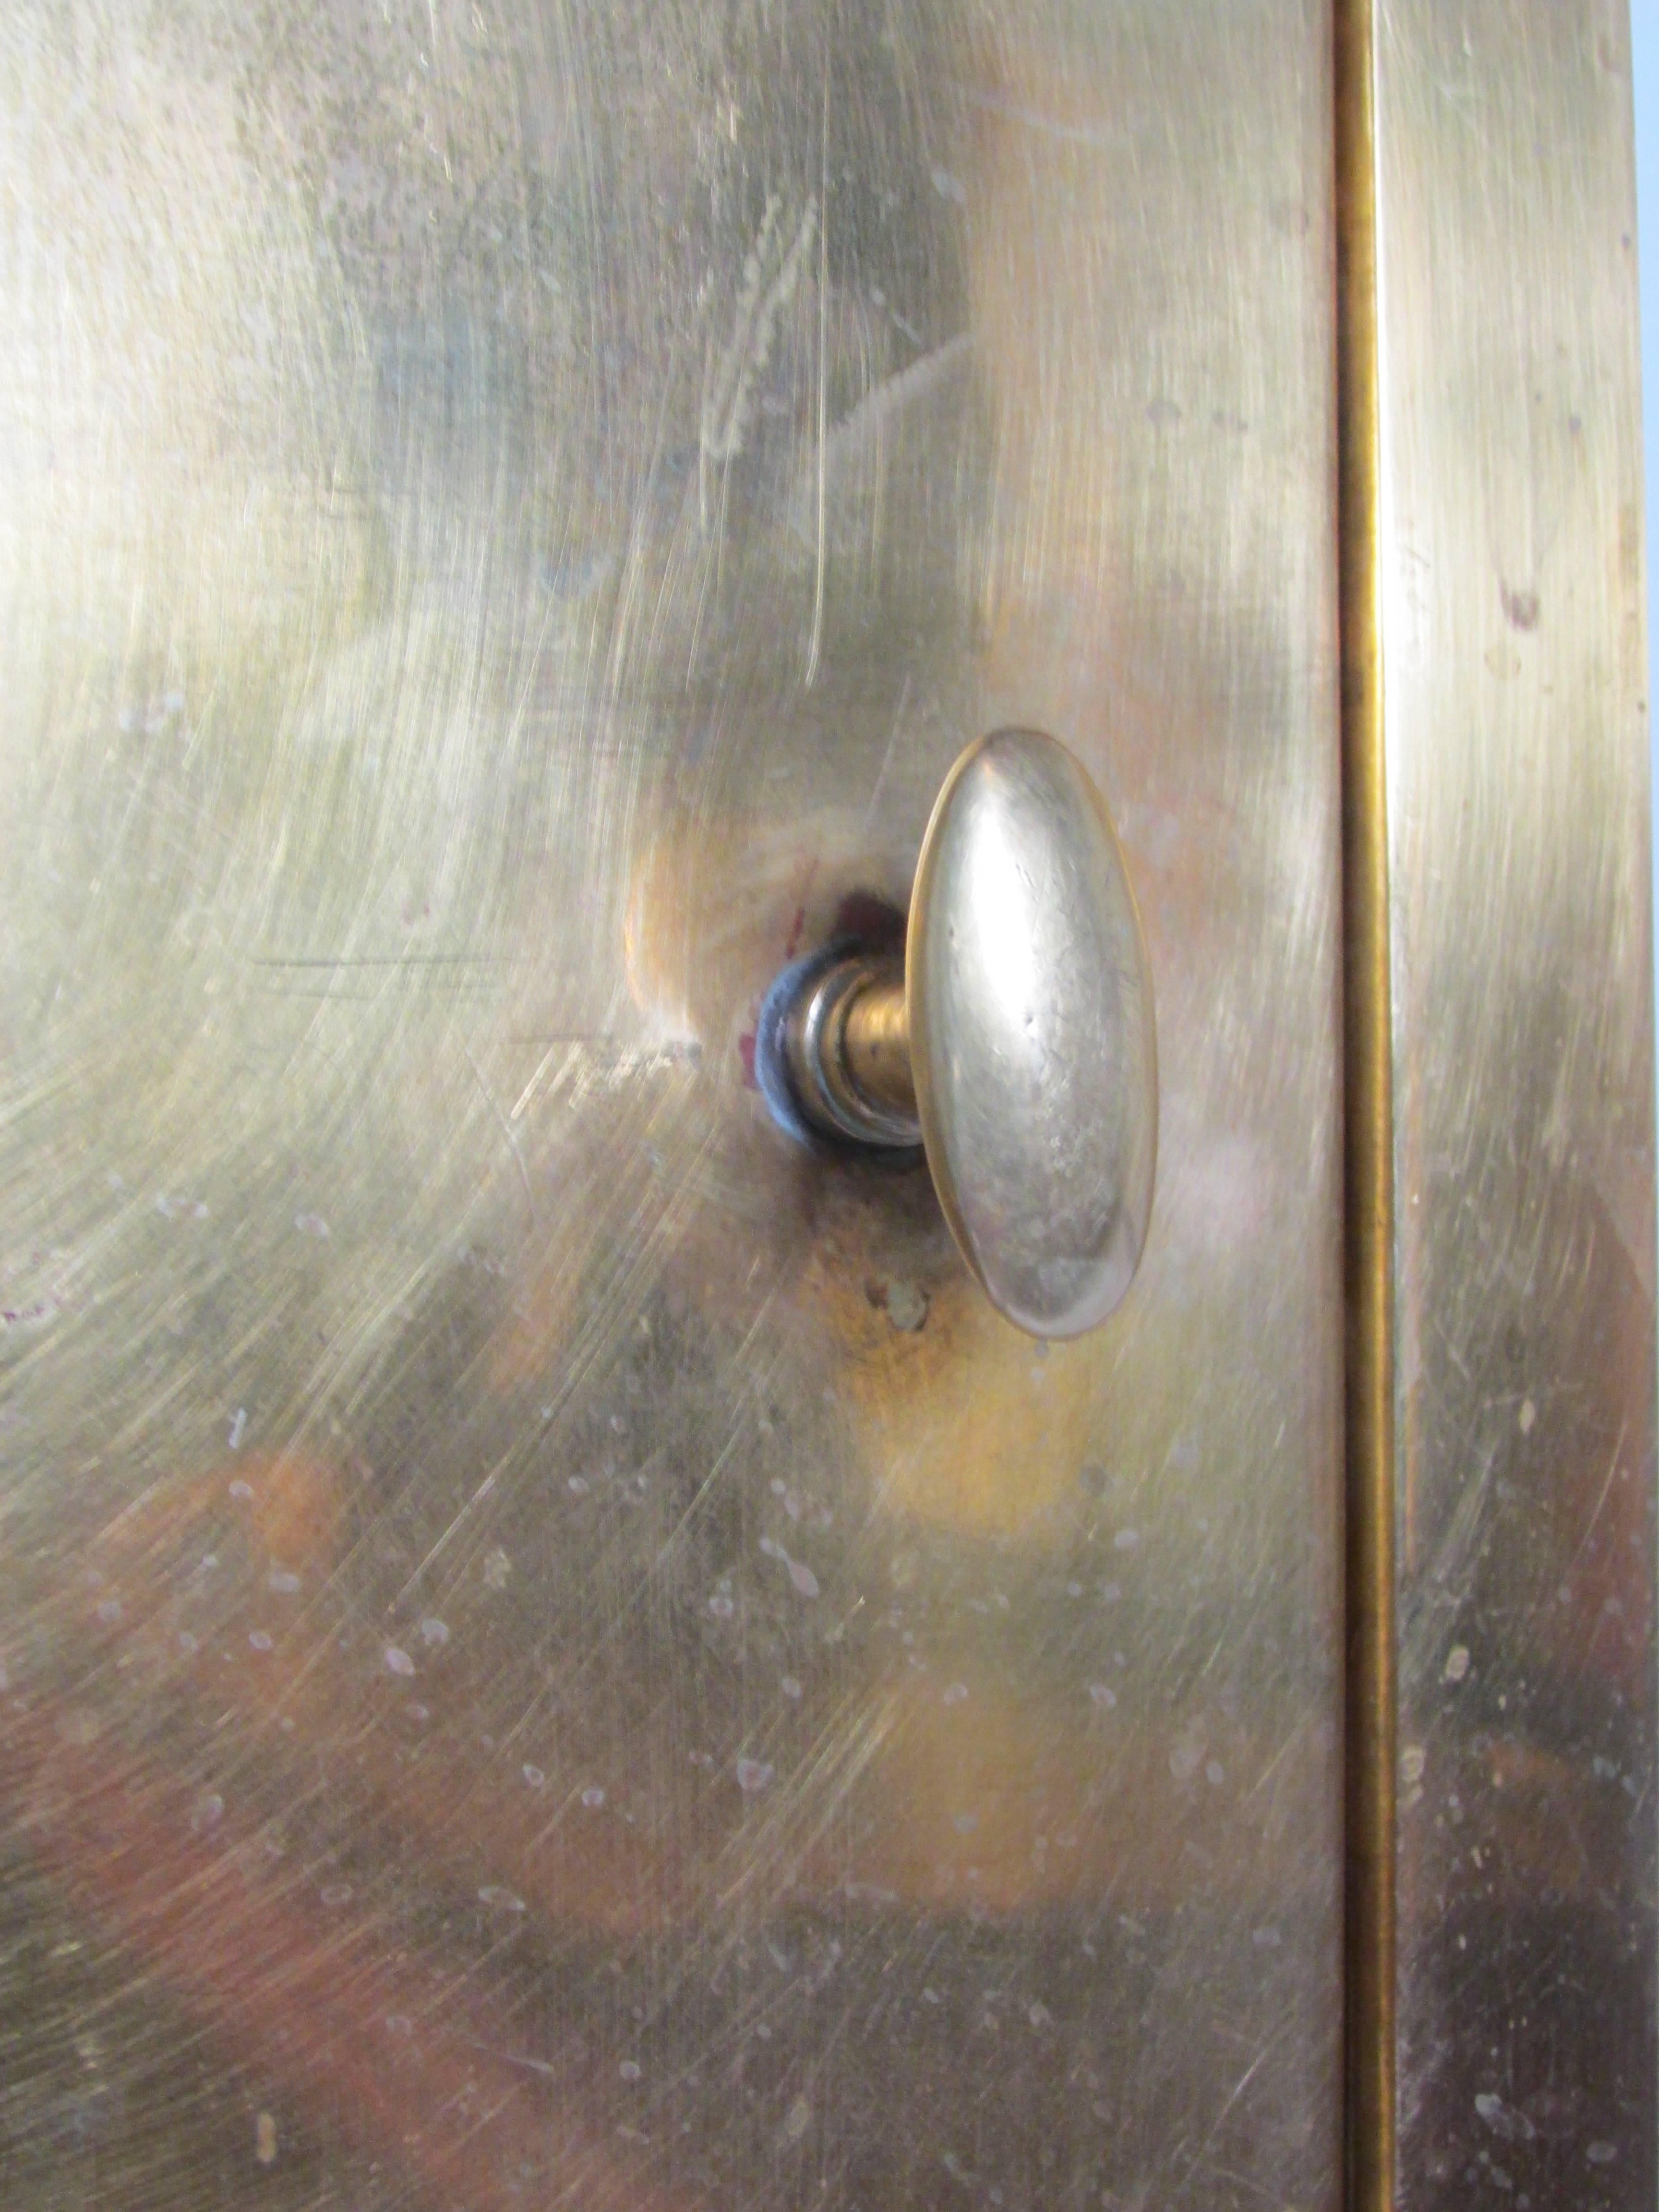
x,y
1515,697
555,1648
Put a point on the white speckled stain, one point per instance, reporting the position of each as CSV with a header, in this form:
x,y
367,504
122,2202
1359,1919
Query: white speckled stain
x,y
593,1796
397,1661
801,1575
433,1630
180,1209
499,1900
753,1775
1457,1662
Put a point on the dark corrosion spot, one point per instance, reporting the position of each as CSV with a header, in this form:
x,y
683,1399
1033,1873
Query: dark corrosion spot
x,y
872,923
906,1304
1520,608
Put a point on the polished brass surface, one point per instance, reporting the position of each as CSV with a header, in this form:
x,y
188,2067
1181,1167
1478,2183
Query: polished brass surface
x,y
1514,687
1368,1141
1032,1040
555,1648
876,1040
1020,1048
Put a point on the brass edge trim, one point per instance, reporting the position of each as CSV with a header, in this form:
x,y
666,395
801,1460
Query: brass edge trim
x,y
1368,1210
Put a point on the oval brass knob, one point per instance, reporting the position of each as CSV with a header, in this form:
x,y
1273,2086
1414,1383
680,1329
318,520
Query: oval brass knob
x,y
1016,1044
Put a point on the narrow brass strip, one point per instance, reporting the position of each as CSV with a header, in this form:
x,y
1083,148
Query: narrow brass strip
x,y
1368,1111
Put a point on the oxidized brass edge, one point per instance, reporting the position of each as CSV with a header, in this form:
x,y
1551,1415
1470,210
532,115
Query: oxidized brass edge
x,y
1368,1148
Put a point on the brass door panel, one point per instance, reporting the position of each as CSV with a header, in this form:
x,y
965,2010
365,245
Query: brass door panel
x,y
554,1649
1518,2017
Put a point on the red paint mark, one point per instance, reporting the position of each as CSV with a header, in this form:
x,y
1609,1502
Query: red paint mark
x,y
796,928
746,1054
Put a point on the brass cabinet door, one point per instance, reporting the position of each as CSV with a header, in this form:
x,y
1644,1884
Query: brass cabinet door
x,y
553,1648
557,1649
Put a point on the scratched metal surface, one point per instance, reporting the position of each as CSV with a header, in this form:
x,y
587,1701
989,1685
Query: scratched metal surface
x,y
554,1648
1515,693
